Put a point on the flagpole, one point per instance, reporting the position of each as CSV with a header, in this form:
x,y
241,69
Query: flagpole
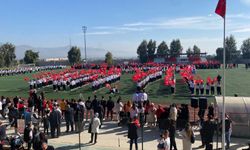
x,y
224,86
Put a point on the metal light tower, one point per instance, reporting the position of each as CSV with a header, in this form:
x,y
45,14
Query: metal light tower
x,y
84,29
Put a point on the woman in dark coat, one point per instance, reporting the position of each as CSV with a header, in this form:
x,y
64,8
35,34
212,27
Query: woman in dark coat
x,y
132,132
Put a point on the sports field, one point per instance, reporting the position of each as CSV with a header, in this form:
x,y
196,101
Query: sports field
x,y
237,82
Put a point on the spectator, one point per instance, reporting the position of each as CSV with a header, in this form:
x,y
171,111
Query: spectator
x,y
95,123
151,116
28,135
69,118
110,106
118,108
208,128
187,134
104,105
100,111
79,117
63,107
55,122
27,116
228,130
95,104
173,112
46,121
88,105
132,132
172,130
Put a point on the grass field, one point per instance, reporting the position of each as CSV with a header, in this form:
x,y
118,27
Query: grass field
x,y
238,82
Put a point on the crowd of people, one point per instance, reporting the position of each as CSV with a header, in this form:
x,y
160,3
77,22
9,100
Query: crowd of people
x,y
24,70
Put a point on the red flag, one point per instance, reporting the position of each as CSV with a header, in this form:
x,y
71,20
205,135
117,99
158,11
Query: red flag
x,y
221,8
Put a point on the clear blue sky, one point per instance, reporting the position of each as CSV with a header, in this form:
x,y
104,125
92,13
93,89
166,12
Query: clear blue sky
x,y
120,25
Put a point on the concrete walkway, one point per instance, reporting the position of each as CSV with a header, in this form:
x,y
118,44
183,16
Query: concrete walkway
x,y
112,137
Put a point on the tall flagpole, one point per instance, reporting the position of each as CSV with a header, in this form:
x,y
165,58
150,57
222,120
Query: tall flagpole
x,y
224,86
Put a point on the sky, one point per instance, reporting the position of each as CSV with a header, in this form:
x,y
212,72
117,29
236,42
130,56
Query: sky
x,y
120,25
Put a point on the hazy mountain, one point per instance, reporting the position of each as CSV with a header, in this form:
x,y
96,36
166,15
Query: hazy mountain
x,y
45,52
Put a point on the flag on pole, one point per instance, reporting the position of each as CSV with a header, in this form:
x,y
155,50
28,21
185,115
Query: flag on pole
x,y
221,8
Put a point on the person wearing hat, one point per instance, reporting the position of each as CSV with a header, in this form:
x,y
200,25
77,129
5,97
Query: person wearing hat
x,y
95,123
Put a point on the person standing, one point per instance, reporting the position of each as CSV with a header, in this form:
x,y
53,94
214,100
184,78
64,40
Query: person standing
x,y
118,108
110,106
100,111
55,122
95,123
104,105
95,104
187,134
208,129
172,130
69,118
132,132
63,107
173,112
79,117
28,135
88,105
228,130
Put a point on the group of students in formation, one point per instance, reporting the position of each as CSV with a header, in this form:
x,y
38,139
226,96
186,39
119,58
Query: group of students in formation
x,y
200,88
71,83
101,82
24,70
141,84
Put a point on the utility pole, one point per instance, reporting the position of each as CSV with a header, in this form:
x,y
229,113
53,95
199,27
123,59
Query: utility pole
x,y
84,29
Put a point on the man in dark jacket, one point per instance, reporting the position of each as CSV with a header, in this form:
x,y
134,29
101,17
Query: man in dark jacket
x,y
172,130
208,128
95,104
79,117
132,132
55,122
69,118
104,105
100,111
110,106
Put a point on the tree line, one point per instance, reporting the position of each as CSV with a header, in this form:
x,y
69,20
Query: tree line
x,y
232,54
147,51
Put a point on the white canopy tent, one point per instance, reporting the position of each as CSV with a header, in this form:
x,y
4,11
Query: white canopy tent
x,y
238,109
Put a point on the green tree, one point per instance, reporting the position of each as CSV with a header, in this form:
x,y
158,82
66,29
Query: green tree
x,y
219,54
151,49
189,52
109,58
175,48
231,49
162,49
1,61
142,52
196,51
74,55
245,48
7,52
30,56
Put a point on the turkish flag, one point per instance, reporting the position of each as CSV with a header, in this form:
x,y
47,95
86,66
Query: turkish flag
x,y
221,8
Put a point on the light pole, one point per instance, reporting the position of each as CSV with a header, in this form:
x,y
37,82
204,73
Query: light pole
x,y
84,29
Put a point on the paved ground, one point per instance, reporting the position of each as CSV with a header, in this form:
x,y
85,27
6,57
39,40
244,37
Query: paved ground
x,y
112,137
